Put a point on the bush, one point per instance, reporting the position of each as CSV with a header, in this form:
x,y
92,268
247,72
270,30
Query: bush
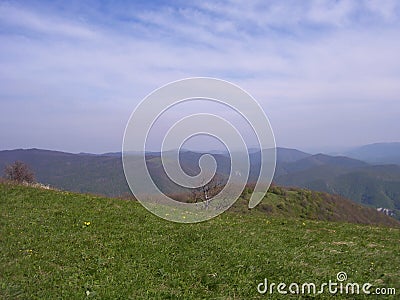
x,y
19,172
277,190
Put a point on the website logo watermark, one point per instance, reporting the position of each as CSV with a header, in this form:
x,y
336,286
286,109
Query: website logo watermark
x,y
339,286
152,107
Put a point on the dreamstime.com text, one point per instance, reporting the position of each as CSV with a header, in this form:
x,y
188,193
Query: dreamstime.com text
x,y
332,287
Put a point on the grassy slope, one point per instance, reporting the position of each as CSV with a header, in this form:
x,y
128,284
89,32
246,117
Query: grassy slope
x,y
48,252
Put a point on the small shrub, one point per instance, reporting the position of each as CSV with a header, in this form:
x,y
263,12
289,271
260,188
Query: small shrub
x,y
19,172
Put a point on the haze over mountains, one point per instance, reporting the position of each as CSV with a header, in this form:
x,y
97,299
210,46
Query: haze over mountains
x,y
378,153
363,181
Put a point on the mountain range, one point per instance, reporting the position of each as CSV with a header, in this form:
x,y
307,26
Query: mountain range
x,y
363,181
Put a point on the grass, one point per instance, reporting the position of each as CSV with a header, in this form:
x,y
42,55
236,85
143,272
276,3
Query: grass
x,y
49,250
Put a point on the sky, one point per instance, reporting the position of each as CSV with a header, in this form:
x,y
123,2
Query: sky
x,y
326,73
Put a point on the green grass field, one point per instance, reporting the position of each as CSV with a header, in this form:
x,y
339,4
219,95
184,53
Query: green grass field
x,y
60,245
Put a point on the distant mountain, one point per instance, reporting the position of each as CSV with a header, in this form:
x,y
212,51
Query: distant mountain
x,y
97,174
313,161
373,185
377,186
378,153
290,155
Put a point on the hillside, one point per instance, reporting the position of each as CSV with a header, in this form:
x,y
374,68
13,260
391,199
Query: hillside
x,y
335,162
311,205
377,186
99,174
66,245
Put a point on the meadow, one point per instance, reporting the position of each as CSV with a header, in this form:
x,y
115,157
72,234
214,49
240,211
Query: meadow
x,y
62,245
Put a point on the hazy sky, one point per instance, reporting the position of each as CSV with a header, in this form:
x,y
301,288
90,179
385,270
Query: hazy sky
x,y
327,73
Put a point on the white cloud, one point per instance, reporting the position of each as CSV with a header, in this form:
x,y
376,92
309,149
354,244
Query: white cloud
x,y
34,21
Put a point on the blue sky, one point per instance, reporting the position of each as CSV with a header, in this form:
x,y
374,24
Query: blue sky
x,y
327,73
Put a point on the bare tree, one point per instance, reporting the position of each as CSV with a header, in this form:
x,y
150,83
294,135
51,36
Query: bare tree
x,y
208,190
19,172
